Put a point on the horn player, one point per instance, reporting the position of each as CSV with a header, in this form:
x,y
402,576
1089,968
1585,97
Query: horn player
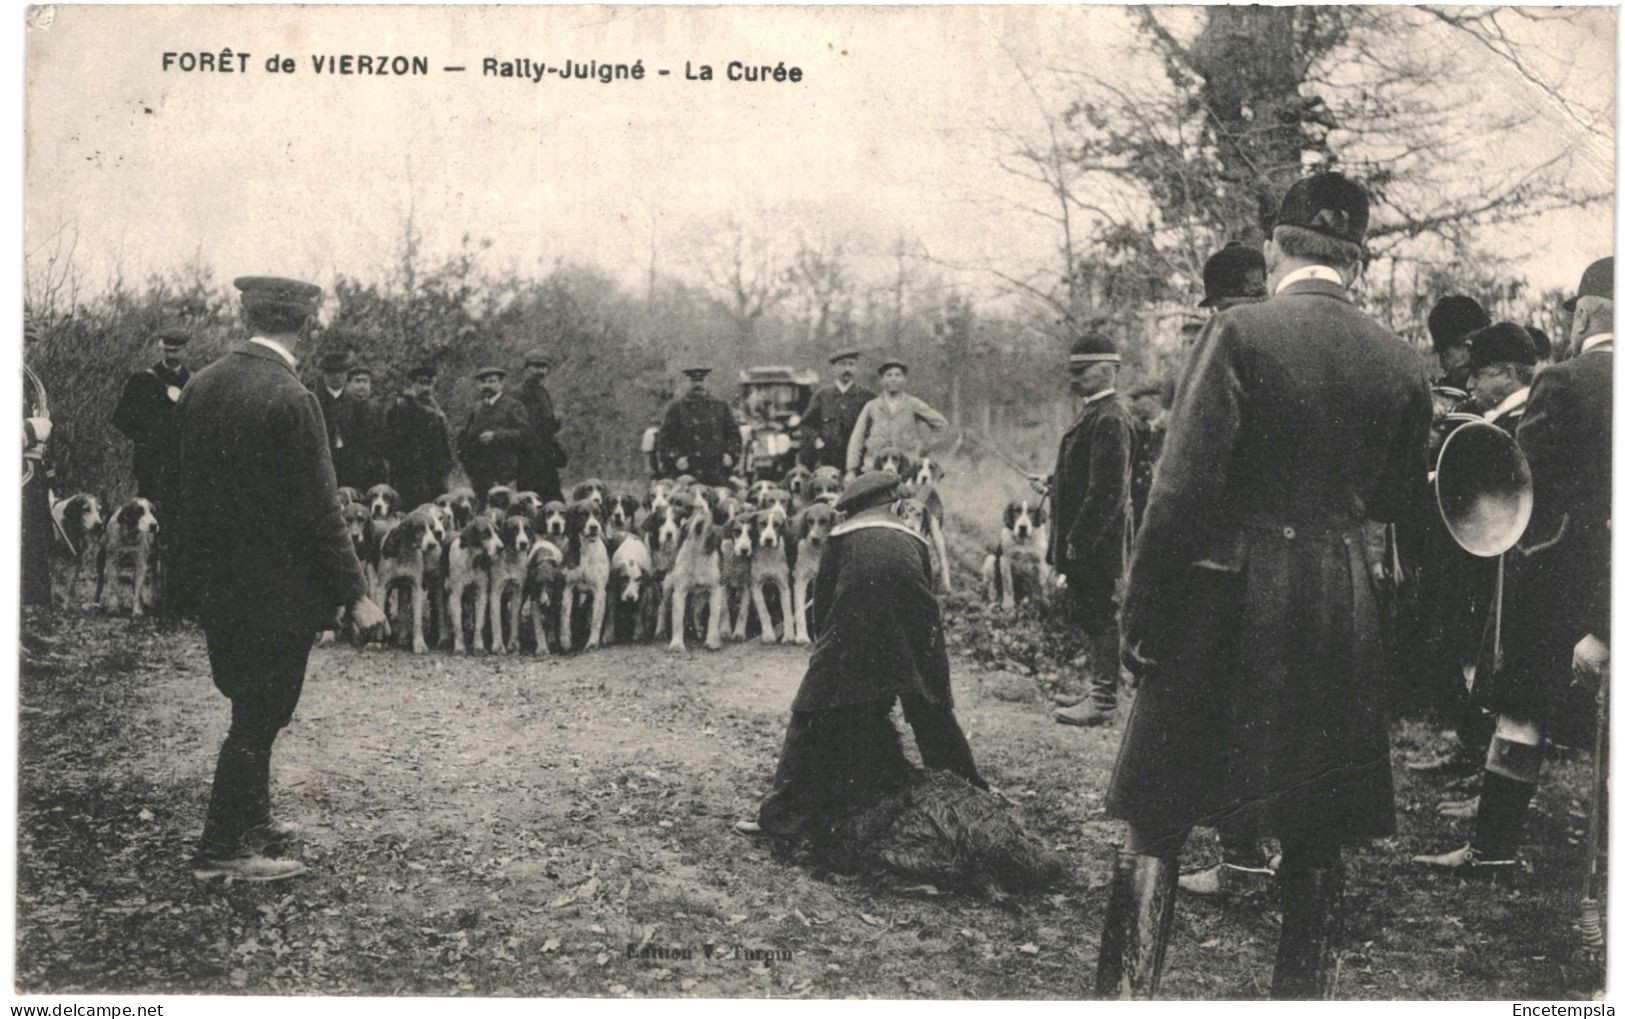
x,y
1557,585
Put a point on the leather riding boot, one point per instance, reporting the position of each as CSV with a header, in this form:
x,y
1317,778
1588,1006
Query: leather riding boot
x,y
1139,917
1311,922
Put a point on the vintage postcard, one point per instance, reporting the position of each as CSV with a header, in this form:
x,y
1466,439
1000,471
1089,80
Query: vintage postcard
x,y
976,502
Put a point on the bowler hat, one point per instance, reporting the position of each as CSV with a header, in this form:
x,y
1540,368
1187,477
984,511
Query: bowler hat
x,y
1235,270
874,488
335,361
1092,348
1500,343
1328,204
844,353
1543,343
277,292
489,370
1452,318
1596,281
173,339
422,373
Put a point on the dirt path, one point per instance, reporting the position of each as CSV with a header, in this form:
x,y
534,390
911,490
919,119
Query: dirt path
x,y
511,825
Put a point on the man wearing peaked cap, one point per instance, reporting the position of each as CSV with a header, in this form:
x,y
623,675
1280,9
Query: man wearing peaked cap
x,y
833,411
1555,628
1233,275
893,420
263,558
1255,527
418,440
1090,524
146,415
1453,317
878,638
699,434
494,436
544,455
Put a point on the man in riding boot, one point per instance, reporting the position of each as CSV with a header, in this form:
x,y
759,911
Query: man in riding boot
x,y
1555,615
1250,613
1088,542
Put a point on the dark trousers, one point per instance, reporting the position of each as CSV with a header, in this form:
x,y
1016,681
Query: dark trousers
x,y
262,673
841,759
1092,609
38,541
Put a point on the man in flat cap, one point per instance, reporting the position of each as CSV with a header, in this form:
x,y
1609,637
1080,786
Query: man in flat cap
x,y
264,560
1249,611
335,372
699,434
832,412
146,415
1556,606
1090,529
494,435
544,455
892,420
418,441
1453,317
360,463
877,638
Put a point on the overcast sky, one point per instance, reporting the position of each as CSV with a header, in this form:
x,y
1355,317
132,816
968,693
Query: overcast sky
x,y
310,175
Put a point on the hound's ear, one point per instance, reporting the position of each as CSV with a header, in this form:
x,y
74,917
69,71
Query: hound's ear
x,y
1039,515
713,539
1010,512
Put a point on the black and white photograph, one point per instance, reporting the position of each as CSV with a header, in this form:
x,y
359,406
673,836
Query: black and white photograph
x,y
991,503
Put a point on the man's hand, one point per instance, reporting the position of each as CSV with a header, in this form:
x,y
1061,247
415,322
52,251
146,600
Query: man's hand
x,y
487,436
368,619
1590,656
1040,483
682,463
41,427
727,460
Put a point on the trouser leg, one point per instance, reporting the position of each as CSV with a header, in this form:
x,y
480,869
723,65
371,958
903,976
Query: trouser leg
x,y
1311,882
240,798
1094,612
1511,770
941,741
1139,916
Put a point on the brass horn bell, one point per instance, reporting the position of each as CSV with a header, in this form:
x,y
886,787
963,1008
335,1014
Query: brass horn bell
x,y
1483,488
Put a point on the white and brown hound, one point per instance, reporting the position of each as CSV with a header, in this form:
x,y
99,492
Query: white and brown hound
x,y
460,503
80,526
402,559
770,531
592,489
544,589
468,566
554,522
621,513
129,549
697,568
383,502
1019,553
586,571
811,527
633,589
509,570
738,547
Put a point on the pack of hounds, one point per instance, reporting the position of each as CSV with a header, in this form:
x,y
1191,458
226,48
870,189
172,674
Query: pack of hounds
x,y
511,573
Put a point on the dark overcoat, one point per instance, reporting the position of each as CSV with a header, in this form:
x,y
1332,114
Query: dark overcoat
x,y
827,425
418,447
262,545
360,462
1090,492
146,415
331,414
1297,420
1557,587
495,462
543,456
701,428
877,630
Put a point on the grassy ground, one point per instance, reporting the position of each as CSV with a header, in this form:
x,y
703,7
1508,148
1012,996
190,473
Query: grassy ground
x,y
506,826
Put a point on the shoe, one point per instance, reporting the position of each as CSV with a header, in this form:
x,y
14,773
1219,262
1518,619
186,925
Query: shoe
x,y
1086,712
1223,878
254,867
1460,810
1469,862
1067,700
1454,762
747,828
1139,918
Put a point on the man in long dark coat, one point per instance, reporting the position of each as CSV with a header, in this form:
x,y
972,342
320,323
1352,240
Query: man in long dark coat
x,y
492,438
544,456
878,638
699,434
360,463
264,560
1555,621
1090,524
1250,610
418,441
826,427
335,372
146,415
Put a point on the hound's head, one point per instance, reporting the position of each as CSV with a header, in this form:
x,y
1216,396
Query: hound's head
x,y
728,508
758,491
528,503
911,512
439,520
357,523
516,533
460,503
555,520
662,527
825,489
480,534
658,497
769,527
927,472
382,502
83,513
894,461
776,498
348,495
632,566
684,482
499,499
795,480
622,510
137,517
585,520
1022,518
592,489
738,534
816,520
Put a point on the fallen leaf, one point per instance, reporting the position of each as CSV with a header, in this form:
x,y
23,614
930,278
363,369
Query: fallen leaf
x,y
1028,949
550,945
872,921
146,815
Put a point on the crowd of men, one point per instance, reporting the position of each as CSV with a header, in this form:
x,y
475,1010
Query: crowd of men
x,y
1219,550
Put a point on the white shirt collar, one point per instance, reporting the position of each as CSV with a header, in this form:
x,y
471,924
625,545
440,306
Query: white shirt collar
x,y
1108,391
1596,340
1310,272
847,388
274,345
492,400
1511,403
